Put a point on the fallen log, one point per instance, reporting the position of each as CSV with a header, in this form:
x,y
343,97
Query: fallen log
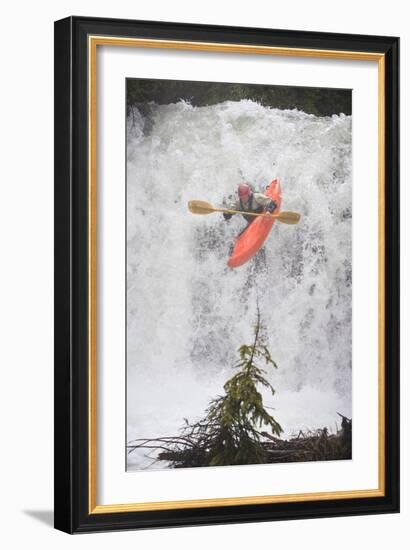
x,y
190,451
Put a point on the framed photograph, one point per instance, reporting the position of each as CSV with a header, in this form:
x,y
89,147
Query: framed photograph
x,y
226,274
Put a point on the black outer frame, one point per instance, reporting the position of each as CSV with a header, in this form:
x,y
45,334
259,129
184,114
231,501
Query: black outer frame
x,y
71,275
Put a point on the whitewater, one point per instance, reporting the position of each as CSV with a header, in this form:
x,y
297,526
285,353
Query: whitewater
x,y
188,312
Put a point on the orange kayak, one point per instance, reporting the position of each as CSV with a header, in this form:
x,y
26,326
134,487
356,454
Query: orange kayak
x,y
251,240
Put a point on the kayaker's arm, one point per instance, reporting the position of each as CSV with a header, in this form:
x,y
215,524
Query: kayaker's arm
x,y
271,207
268,204
232,206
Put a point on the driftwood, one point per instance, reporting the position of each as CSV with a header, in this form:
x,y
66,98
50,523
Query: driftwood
x,y
311,446
187,450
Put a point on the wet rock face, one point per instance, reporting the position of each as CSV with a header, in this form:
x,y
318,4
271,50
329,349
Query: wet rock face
x,y
187,312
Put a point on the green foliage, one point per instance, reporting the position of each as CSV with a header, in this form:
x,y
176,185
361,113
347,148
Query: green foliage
x,y
229,432
316,101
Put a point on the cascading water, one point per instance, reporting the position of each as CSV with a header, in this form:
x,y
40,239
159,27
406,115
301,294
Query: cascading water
x,y
187,312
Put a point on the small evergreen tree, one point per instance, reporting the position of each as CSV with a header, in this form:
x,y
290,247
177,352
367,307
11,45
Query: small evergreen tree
x,y
233,421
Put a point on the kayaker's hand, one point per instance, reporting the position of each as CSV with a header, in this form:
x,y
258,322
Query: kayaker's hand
x,y
272,207
227,216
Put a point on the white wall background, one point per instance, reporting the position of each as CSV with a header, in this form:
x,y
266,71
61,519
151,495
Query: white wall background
x,y
26,292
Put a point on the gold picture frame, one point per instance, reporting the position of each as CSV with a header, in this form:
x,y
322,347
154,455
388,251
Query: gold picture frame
x,y
77,40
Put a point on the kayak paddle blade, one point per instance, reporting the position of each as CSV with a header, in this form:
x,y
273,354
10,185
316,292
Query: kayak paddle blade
x,y
200,207
290,218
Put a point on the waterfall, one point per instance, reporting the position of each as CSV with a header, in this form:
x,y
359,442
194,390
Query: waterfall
x,y
187,312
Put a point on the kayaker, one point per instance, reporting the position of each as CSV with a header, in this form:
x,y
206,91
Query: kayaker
x,y
249,201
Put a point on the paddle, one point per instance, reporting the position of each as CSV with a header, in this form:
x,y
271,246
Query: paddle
x,y
203,208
